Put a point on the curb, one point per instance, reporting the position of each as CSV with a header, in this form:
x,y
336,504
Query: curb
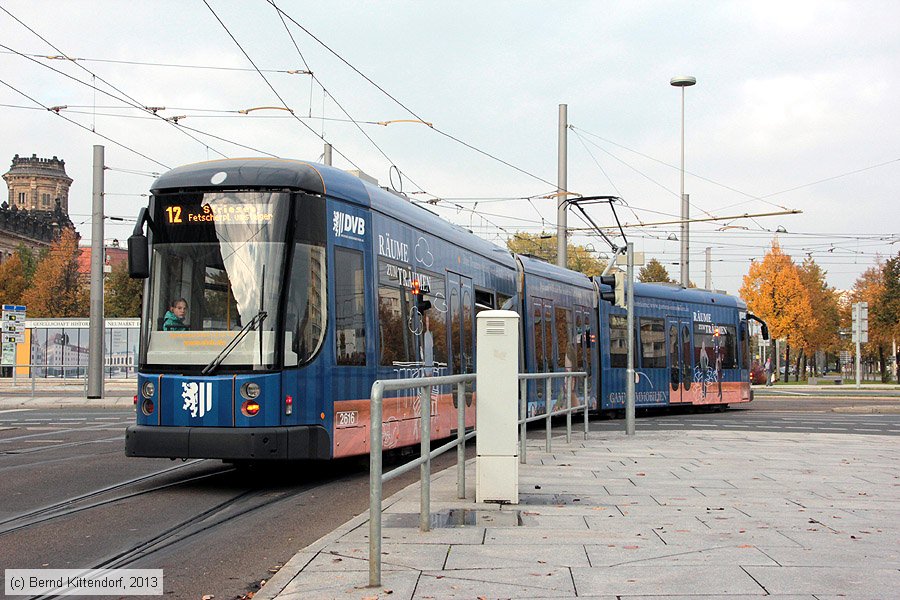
x,y
278,582
868,410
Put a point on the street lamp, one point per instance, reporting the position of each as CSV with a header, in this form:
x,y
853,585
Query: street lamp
x,y
684,81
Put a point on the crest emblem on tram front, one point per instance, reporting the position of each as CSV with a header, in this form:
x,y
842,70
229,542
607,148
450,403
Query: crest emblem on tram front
x,y
197,397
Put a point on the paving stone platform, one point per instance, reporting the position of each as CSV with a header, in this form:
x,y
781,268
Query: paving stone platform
x,y
687,514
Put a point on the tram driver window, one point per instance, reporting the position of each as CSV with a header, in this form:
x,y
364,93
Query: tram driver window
x,y
305,315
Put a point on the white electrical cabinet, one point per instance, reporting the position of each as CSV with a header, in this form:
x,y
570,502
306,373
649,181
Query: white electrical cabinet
x,y
497,413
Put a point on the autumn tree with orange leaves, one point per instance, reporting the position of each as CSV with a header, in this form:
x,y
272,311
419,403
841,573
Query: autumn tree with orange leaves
x,y
57,290
774,291
12,280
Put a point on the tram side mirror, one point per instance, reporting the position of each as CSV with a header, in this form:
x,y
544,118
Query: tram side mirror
x,y
138,257
765,331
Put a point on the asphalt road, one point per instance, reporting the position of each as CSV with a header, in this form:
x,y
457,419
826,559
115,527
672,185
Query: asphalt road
x,y
216,530
213,529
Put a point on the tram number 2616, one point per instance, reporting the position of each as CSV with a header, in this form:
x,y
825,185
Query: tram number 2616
x,y
347,418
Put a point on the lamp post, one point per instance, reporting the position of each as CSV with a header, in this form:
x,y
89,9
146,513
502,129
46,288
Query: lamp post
x,y
684,81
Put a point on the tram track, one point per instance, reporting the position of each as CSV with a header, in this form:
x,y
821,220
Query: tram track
x,y
197,525
35,464
71,505
207,521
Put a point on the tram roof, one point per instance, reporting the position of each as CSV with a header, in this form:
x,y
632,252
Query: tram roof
x,y
536,266
677,293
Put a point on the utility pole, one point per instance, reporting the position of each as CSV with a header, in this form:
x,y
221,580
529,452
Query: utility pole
x,y
562,186
96,352
629,372
708,268
327,156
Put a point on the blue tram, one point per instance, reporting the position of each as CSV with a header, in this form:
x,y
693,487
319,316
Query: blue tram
x,y
304,284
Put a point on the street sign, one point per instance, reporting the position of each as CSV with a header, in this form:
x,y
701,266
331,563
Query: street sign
x,y
12,331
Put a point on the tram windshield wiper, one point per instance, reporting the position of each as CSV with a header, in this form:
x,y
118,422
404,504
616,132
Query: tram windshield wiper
x,y
253,323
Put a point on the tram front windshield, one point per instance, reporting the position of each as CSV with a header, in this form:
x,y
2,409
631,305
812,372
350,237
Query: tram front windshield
x,y
217,267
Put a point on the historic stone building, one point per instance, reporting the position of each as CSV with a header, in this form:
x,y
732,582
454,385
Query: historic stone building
x,y
38,183
38,205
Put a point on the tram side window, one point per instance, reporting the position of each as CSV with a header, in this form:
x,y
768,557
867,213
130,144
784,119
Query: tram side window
x,y
539,338
715,341
484,300
434,326
745,346
579,339
507,302
411,333
728,346
396,339
350,307
653,343
705,345
565,351
588,339
618,341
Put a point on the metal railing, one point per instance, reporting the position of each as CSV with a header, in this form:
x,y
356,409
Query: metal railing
x,y
376,443
568,410
424,385
59,383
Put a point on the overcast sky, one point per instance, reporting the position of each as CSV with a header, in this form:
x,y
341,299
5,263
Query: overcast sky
x,y
795,108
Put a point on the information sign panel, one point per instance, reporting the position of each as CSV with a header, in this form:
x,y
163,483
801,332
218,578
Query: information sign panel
x,y
13,332
8,356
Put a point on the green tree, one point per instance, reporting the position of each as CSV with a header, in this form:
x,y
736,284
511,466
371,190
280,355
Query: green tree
x,y
871,287
122,295
58,290
654,272
30,259
887,318
543,245
822,332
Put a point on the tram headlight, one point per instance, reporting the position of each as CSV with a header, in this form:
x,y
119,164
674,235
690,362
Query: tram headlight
x,y
250,390
148,389
147,407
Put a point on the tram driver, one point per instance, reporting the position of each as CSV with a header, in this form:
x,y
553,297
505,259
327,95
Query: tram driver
x,y
174,319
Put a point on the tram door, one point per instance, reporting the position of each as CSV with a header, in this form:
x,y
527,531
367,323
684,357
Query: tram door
x,y
679,359
545,358
462,329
